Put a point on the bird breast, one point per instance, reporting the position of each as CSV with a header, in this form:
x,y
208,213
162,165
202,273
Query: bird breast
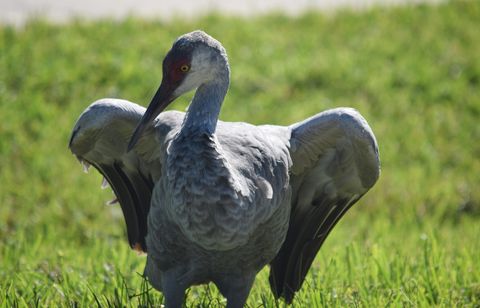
x,y
208,201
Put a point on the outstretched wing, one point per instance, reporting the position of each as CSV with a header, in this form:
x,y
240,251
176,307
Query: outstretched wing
x,y
100,139
335,162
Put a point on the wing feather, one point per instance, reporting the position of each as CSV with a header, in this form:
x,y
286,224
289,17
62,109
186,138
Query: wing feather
x,y
334,162
100,137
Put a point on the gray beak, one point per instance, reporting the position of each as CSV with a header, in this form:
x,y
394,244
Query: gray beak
x,y
160,101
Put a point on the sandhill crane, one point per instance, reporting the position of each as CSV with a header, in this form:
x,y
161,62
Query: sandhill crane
x,y
214,201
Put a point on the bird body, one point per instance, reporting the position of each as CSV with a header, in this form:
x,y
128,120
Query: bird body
x,y
212,210
217,201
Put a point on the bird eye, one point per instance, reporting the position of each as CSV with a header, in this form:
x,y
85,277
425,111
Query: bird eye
x,y
184,68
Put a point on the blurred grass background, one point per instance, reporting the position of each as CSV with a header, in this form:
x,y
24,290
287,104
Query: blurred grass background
x,y
413,72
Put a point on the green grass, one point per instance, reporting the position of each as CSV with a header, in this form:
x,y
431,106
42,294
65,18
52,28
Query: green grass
x,y
413,72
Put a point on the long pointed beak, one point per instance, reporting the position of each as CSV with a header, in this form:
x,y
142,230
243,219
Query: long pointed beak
x,y
160,101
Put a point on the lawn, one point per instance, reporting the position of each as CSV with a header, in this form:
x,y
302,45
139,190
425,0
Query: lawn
x,y
413,72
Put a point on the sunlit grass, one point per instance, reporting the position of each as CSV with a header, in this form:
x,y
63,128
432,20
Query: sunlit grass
x,y
413,72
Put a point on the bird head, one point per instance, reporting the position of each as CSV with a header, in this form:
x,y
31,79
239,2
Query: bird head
x,y
194,59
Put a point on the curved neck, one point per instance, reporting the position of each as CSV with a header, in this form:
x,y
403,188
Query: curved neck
x,y
202,114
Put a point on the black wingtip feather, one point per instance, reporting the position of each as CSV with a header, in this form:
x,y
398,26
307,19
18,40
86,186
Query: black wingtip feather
x,y
304,239
134,207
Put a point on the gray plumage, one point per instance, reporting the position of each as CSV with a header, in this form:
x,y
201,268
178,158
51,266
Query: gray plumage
x,y
217,201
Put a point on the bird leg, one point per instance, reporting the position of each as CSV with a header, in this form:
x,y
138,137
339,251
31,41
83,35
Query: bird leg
x,y
173,289
236,288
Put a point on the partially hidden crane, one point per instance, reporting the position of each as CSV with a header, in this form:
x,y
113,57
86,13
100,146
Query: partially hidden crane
x,y
213,201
